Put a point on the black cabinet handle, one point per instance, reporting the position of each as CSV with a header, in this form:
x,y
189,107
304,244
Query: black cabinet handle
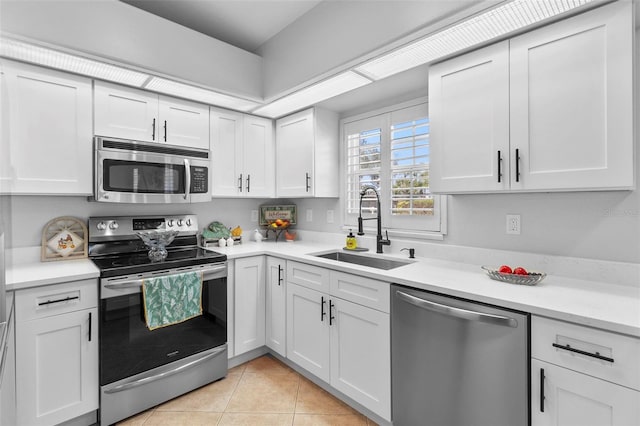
x,y
568,347
517,165
89,326
331,317
308,178
322,312
240,182
165,130
279,274
248,183
51,302
499,167
153,130
542,390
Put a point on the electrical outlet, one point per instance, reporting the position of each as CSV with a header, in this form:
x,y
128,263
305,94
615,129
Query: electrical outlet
x,y
513,224
254,215
329,216
309,215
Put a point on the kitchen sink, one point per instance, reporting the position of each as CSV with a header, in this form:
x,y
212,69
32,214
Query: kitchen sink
x,y
373,262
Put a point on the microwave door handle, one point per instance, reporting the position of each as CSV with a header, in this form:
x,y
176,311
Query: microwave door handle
x,y
187,179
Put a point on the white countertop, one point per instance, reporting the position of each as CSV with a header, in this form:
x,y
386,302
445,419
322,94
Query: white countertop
x,y
613,307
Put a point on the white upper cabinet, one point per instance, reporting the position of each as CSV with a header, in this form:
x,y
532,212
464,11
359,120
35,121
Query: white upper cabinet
x,y
242,151
307,154
46,136
184,123
550,110
469,114
572,103
124,112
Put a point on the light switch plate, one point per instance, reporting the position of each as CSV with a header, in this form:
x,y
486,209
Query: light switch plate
x,y
309,215
330,215
254,215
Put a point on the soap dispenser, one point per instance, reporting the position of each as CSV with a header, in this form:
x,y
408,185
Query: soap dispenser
x,y
352,243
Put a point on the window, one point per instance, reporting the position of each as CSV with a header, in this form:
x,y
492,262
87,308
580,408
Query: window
x,y
390,151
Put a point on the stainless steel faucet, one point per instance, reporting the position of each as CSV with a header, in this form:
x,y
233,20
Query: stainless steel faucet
x,y
379,240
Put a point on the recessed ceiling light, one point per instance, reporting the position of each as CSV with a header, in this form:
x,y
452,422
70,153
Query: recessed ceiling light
x,y
468,33
51,58
318,92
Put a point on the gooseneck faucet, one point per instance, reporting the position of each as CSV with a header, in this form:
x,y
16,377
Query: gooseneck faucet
x,y
379,240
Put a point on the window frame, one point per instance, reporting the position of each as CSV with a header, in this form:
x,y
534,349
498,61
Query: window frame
x,y
397,225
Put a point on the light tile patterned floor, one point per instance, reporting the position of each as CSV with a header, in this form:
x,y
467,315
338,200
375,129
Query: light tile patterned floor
x,y
260,392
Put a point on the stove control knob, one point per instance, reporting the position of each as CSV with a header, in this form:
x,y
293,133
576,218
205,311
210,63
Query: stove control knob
x,y
180,222
188,222
170,222
101,226
113,225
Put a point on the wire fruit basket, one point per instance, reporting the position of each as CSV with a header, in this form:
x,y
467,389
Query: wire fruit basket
x,y
532,278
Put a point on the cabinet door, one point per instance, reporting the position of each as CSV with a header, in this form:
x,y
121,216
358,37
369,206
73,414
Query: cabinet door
x,y
308,330
258,157
249,304
574,399
124,112
361,355
572,102
276,313
226,152
184,123
46,132
294,148
57,367
469,132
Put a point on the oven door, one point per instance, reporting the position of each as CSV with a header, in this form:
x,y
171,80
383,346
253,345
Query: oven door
x,y
128,348
136,172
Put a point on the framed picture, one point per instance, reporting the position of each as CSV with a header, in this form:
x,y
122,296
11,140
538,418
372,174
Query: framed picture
x,y
64,238
269,214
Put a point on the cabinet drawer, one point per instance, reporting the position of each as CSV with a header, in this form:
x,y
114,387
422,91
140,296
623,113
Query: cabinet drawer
x,y
569,338
41,302
361,290
308,276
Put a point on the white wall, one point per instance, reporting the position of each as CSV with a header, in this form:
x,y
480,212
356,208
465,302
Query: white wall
x,y
29,214
115,30
315,43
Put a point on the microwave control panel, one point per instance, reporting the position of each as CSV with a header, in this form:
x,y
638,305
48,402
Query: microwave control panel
x,y
199,180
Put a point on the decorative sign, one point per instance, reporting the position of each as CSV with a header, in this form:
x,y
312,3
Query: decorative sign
x,y
269,214
64,238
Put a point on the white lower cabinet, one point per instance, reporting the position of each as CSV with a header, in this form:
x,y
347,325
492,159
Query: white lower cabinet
x,y
360,342
249,305
56,352
276,299
564,397
343,343
308,330
583,376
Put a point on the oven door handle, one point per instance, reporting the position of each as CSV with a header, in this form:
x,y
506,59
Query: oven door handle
x,y
187,179
145,380
215,272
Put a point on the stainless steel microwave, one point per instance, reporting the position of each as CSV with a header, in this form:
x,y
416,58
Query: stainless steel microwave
x,y
128,171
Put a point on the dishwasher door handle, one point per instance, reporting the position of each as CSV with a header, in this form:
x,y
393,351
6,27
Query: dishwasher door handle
x,y
457,312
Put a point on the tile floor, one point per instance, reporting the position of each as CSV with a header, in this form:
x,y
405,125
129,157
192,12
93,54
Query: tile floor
x,y
260,392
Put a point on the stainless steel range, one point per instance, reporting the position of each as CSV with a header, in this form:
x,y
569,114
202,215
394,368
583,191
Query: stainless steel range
x,y
141,366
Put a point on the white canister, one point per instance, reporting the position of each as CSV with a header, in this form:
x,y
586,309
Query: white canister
x,y
222,242
229,242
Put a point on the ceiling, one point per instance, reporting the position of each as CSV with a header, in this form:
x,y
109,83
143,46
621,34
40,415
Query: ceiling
x,y
246,24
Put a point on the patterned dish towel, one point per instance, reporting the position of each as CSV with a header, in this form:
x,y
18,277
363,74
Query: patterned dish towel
x,y
172,299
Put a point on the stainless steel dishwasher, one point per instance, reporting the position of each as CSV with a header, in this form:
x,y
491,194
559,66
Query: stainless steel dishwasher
x,y
456,362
